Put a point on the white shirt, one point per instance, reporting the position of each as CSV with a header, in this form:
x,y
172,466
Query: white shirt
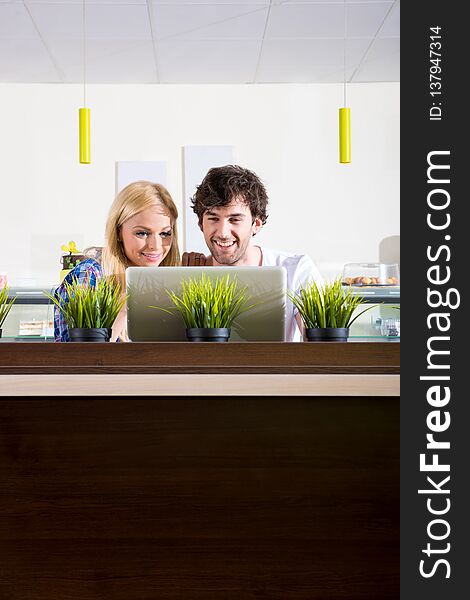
x,y
300,269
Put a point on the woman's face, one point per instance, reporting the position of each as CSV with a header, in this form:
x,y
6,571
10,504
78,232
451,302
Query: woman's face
x,y
147,237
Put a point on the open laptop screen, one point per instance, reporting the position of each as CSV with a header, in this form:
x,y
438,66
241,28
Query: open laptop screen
x,y
146,286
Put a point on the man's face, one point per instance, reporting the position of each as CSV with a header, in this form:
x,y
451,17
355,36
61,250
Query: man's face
x,y
228,231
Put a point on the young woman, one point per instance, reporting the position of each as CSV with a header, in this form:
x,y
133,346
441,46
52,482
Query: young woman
x,y
140,232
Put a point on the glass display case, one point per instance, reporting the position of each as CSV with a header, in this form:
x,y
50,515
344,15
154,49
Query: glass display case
x,y
31,317
383,319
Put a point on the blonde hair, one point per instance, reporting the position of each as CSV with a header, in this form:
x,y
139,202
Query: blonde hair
x,y
130,201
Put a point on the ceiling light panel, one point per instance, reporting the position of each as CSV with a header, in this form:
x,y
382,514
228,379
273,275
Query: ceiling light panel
x,y
382,62
251,2
365,20
15,22
391,27
325,20
327,1
31,63
207,61
104,21
108,61
208,21
80,1
302,74
306,60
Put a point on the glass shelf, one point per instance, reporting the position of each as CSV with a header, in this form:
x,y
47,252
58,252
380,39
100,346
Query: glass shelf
x,y
25,338
31,306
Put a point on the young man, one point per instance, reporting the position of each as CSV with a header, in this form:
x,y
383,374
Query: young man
x,y
231,206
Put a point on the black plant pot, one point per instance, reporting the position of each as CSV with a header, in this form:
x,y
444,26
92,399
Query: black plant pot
x,y
215,334
327,334
0,333
69,261
90,335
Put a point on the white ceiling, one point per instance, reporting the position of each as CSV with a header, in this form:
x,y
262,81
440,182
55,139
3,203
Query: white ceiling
x,y
200,41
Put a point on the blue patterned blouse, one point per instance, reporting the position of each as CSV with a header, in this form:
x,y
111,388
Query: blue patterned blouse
x,y
88,271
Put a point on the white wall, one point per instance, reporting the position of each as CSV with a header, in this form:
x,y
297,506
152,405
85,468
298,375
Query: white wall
x,y
287,134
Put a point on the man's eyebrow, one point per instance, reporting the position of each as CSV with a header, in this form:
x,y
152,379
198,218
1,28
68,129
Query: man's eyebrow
x,y
214,214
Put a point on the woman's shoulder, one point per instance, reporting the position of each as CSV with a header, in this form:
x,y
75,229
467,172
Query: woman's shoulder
x,y
93,252
88,271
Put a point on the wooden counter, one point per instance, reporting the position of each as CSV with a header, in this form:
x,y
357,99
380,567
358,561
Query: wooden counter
x,y
207,495
349,369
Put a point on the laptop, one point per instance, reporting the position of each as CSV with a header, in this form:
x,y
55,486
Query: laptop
x,y
148,287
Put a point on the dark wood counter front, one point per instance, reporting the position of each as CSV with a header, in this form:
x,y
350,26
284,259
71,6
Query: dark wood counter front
x,y
203,496
183,357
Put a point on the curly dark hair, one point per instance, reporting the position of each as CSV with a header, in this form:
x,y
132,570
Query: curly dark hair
x,y
221,185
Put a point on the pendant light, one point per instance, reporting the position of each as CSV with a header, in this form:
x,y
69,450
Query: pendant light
x,y
84,113
344,113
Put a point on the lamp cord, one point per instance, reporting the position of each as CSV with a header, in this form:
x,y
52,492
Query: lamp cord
x,y
344,54
84,55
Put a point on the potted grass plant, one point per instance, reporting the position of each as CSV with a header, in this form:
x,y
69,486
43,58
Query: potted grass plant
x,y
209,306
90,311
6,304
327,311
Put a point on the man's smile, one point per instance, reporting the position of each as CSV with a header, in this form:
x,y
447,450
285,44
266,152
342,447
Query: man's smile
x,y
224,244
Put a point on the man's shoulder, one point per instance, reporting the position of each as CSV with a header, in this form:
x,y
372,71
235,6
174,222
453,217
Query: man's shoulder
x,y
280,258
300,267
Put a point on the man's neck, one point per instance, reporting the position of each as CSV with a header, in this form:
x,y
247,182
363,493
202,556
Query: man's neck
x,y
253,258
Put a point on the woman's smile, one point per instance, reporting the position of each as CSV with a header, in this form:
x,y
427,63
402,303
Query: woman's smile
x,y
151,256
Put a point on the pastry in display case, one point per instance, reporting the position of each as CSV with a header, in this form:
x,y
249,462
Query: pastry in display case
x,y
370,274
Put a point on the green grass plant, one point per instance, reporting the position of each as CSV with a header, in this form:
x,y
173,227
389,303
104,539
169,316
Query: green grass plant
x,y
5,304
90,307
328,306
209,303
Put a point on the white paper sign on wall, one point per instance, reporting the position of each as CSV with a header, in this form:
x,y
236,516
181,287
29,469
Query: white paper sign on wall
x,y
197,160
129,171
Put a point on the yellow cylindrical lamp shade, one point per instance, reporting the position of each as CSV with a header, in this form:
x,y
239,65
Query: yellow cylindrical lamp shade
x,y
344,135
84,135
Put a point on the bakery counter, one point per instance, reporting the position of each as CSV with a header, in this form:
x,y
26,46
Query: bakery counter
x,y
335,369
199,471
